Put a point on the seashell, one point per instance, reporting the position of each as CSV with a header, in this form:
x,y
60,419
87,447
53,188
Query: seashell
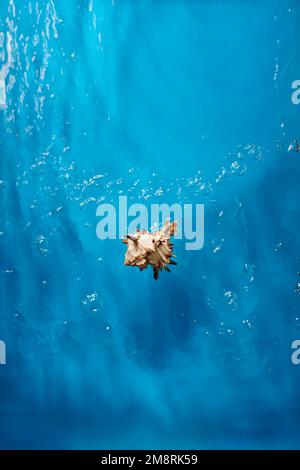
x,y
151,249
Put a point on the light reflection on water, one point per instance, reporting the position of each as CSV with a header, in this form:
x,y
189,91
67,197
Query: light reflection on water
x,y
160,102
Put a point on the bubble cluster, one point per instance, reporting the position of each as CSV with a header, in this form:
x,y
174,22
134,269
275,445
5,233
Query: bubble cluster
x,y
92,302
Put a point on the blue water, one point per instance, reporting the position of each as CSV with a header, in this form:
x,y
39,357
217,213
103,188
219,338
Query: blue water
x,y
163,101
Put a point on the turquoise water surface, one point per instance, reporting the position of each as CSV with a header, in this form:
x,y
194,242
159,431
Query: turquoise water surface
x,y
164,101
